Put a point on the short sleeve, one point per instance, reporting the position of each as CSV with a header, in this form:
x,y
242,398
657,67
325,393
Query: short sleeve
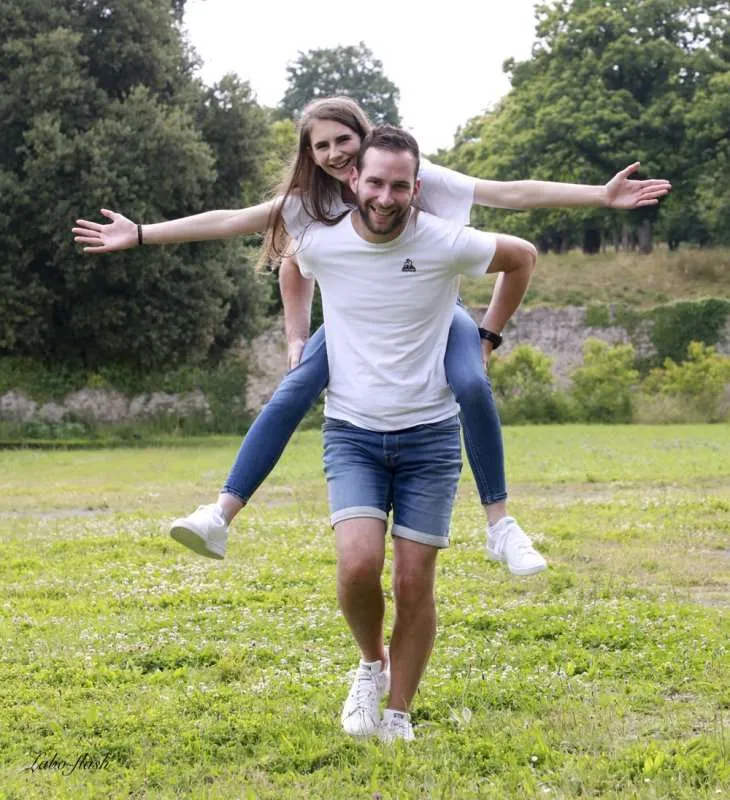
x,y
295,216
445,193
473,251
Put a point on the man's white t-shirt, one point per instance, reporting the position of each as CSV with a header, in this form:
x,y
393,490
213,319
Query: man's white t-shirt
x,y
387,311
444,193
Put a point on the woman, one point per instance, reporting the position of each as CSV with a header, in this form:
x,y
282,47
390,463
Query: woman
x,y
315,189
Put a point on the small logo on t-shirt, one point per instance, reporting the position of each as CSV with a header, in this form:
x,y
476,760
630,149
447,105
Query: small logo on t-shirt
x,y
408,266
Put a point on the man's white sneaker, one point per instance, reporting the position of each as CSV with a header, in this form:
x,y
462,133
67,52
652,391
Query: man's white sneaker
x,y
361,712
205,531
395,725
508,543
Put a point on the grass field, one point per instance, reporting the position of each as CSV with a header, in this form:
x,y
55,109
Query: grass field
x,y
171,676
625,278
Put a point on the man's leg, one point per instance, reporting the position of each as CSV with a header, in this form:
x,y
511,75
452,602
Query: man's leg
x,y
414,630
427,462
360,556
359,488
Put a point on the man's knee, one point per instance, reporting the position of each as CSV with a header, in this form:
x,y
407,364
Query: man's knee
x,y
413,588
358,569
360,550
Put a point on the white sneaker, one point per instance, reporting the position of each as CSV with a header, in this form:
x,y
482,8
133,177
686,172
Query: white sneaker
x,y
395,725
508,543
361,712
205,531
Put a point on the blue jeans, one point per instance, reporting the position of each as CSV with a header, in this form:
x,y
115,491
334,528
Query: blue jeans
x,y
415,472
276,422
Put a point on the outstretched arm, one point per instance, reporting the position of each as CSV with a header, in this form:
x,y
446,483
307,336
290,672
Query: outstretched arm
x,y
619,192
297,293
121,233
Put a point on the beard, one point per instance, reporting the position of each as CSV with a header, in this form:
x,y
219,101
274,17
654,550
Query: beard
x,y
382,227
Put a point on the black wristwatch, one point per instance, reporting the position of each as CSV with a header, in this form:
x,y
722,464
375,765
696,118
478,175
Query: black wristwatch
x,y
490,336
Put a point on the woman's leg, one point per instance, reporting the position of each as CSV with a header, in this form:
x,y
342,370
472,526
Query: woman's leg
x,y
276,422
205,531
479,417
506,541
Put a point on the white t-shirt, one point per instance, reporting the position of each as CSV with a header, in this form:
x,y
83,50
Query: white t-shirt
x,y
387,311
444,193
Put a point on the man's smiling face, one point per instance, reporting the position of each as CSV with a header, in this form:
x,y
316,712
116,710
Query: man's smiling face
x,y
385,188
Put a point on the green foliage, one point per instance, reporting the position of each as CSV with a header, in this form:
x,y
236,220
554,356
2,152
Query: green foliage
x,y
237,130
523,387
676,324
607,84
223,383
282,144
598,316
604,384
353,71
699,382
101,110
709,122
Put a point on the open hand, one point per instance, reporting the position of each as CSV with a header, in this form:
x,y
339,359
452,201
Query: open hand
x,y
624,193
119,234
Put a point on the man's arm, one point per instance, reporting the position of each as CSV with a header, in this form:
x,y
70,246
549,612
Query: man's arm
x,y
297,293
619,192
514,259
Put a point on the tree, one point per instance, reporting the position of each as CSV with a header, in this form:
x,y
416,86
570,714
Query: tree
x,y
134,131
237,130
353,71
607,83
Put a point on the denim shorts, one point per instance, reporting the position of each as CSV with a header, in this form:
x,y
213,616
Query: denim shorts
x,y
415,472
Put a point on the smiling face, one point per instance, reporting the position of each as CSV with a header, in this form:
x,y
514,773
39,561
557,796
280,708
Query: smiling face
x,y
384,188
334,147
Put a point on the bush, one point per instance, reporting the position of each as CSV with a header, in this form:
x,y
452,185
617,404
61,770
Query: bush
x,y
223,384
698,385
603,386
524,388
703,319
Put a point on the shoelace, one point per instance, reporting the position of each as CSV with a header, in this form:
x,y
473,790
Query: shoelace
x,y
519,540
396,726
367,689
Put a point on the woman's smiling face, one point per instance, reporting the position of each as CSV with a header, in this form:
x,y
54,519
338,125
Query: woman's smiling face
x,y
334,147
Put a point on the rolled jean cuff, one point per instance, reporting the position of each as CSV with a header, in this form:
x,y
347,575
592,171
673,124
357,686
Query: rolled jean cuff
x,y
498,497
354,512
227,490
418,536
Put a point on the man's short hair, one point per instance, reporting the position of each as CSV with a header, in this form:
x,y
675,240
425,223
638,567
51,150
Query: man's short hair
x,y
392,139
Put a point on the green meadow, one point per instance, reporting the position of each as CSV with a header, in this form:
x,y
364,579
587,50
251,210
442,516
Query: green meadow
x,y
133,669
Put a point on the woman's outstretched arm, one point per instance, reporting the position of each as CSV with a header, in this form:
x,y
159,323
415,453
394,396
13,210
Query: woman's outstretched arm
x,y
619,192
122,234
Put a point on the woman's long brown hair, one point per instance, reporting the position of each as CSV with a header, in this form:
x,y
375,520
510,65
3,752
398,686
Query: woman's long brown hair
x,y
316,188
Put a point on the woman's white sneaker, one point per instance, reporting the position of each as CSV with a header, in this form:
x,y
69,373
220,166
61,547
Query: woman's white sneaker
x,y
361,712
205,531
395,725
508,543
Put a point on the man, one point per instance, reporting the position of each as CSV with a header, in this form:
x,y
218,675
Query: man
x,y
389,277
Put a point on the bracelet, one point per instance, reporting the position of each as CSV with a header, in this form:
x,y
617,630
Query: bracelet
x,y
490,336
139,235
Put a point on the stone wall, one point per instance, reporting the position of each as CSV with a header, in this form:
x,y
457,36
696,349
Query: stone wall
x,y
558,332
561,333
